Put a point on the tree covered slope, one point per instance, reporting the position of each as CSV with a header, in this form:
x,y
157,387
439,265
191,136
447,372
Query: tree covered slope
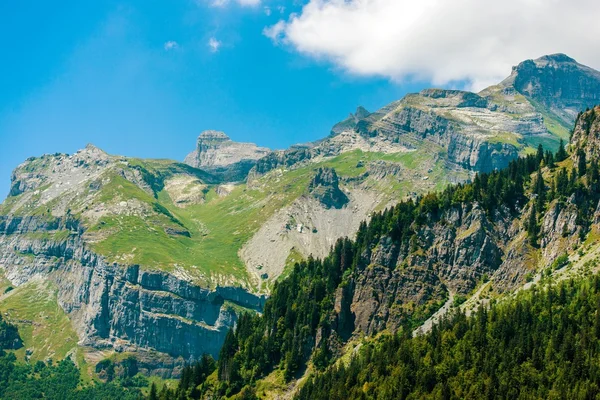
x,y
394,276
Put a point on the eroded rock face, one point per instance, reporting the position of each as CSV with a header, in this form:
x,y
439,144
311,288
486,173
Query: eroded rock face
x,y
217,153
119,307
325,187
449,255
586,134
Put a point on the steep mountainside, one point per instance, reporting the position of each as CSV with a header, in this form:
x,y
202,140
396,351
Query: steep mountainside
x,y
537,220
159,257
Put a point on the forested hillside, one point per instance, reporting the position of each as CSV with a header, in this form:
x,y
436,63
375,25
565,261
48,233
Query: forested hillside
x,y
551,332
544,344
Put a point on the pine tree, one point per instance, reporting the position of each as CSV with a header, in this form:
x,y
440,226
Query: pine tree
x,y
549,159
153,393
561,154
581,162
540,154
540,190
532,226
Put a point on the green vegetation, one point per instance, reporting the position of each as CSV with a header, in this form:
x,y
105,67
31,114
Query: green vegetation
x,y
561,262
508,138
543,344
213,232
295,257
302,306
46,379
43,325
193,384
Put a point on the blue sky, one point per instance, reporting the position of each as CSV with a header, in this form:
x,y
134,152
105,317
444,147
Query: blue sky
x,y
101,73
144,77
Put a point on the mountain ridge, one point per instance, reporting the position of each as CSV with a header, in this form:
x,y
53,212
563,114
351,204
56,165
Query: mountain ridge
x,y
163,242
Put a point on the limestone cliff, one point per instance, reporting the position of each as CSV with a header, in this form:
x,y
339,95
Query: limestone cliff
x,y
216,152
55,225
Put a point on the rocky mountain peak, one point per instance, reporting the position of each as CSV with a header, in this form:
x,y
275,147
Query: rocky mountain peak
x,y
90,152
349,124
559,83
230,160
210,135
556,58
326,189
361,112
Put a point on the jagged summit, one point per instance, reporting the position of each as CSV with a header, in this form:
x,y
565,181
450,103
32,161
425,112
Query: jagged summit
x,y
350,122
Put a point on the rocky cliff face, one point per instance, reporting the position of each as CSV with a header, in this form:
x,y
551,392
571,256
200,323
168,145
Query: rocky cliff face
x,y
62,206
119,307
450,255
325,187
475,133
585,134
217,153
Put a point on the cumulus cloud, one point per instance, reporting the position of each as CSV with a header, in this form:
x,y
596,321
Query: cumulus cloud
x,y
442,41
171,45
214,44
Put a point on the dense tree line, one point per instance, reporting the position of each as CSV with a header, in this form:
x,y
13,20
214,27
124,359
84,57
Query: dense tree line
x,y
544,344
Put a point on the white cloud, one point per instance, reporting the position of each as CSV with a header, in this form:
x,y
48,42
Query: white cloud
x,y
171,45
214,44
275,32
267,11
441,40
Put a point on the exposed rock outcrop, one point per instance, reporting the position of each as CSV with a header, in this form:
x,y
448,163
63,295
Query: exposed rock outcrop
x,y
586,134
325,187
350,123
114,306
217,153
449,255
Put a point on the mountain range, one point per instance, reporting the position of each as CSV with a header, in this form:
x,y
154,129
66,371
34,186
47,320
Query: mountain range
x,y
104,256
